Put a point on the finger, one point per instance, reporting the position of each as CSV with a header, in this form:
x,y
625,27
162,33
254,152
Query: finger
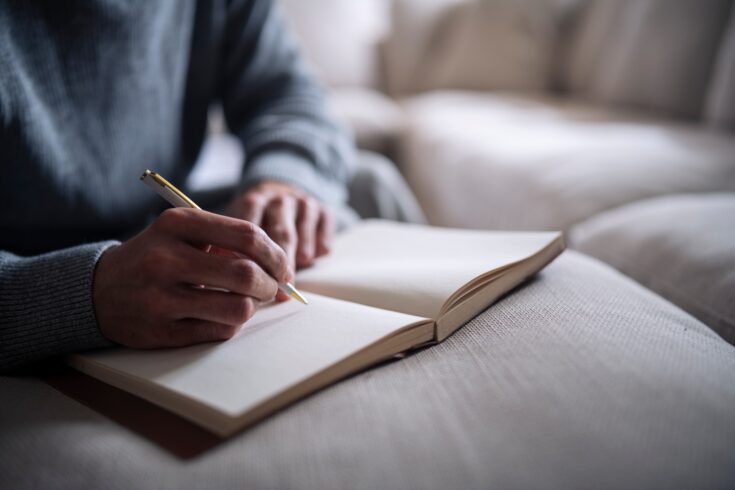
x,y
191,331
196,227
252,205
306,228
213,306
282,297
279,221
236,274
221,251
324,233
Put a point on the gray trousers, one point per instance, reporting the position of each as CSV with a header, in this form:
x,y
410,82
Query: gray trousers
x,y
378,190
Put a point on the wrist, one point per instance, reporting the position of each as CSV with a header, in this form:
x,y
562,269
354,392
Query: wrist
x,y
100,285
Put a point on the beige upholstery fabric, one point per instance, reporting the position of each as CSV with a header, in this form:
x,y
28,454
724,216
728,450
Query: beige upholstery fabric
x,y
682,247
492,45
494,161
655,54
721,96
581,379
409,44
340,37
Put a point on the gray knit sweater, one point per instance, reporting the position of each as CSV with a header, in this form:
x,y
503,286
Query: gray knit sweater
x,y
93,92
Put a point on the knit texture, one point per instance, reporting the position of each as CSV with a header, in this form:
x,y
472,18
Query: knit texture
x,y
94,92
46,304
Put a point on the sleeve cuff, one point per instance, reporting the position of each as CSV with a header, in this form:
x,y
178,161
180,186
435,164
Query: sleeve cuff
x,y
46,305
291,168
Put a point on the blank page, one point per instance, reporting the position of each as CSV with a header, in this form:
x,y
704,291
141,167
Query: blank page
x,y
282,345
413,269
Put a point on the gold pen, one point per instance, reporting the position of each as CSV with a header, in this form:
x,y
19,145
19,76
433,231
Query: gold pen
x,y
178,199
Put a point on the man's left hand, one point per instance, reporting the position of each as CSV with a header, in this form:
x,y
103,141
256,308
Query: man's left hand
x,y
298,223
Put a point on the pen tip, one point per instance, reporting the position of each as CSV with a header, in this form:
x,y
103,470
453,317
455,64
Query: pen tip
x,y
293,292
300,298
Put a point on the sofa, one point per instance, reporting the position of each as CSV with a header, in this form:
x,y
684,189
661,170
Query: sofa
x,y
551,115
581,379
546,111
612,368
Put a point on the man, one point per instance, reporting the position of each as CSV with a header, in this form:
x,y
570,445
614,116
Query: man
x,y
93,92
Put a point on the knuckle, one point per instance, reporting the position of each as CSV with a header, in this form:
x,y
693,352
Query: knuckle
x,y
171,218
281,258
242,309
245,271
248,230
282,265
281,233
252,200
310,205
280,200
270,286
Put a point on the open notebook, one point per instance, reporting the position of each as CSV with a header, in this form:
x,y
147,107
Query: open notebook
x,y
386,288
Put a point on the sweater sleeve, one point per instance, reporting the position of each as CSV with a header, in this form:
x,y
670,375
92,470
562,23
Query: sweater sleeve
x,y
277,109
46,305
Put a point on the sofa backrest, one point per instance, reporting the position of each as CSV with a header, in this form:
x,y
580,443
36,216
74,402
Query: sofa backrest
x,y
670,56
490,45
404,51
651,54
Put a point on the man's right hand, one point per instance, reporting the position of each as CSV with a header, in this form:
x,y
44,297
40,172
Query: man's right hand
x,y
147,290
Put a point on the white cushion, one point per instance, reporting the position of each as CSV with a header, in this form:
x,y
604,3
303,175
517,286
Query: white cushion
x,y
682,247
492,45
375,119
721,97
581,379
340,37
494,161
655,54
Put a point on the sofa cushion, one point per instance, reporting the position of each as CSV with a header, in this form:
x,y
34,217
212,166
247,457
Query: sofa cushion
x,y
492,45
654,54
721,96
580,379
511,162
340,38
682,247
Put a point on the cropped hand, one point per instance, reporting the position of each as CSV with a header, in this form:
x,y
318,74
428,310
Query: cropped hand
x,y
295,221
148,291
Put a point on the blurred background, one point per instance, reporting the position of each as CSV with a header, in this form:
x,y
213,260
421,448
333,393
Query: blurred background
x,y
529,114
611,120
